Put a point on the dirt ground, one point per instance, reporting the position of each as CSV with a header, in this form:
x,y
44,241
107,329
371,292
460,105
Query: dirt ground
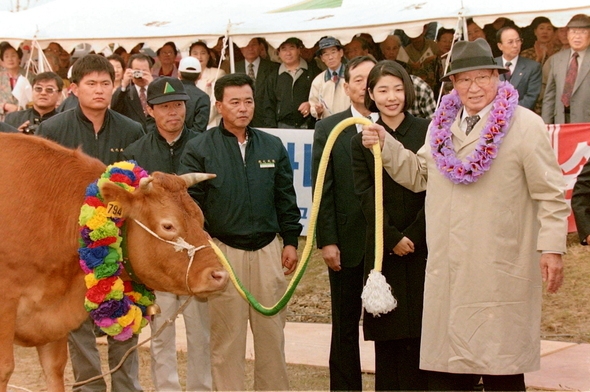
x,y
565,317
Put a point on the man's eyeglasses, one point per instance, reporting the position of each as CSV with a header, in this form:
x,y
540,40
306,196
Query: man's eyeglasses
x,y
48,90
481,81
578,31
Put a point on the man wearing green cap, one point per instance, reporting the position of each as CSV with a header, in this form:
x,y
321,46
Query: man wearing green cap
x,y
495,213
161,151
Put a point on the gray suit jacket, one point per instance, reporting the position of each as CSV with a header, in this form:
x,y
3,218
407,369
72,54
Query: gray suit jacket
x,y
526,79
579,104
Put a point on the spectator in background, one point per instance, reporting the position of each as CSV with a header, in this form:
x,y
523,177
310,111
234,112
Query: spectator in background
x,y
424,103
47,87
286,102
423,61
474,31
131,98
209,74
259,70
327,95
119,66
568,86
8,76
524,74
199,104
166,58
357,47
560,38
544,46
491,30
444,40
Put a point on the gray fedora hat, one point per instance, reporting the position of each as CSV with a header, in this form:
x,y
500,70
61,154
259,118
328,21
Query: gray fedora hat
x,y
469,56
579,21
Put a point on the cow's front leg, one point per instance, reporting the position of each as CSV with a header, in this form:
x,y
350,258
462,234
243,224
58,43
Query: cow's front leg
x,y
54,357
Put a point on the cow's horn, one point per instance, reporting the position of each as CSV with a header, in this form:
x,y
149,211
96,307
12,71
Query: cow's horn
x,y
194,178
144,184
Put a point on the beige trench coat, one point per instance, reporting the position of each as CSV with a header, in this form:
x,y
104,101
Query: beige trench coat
x,y
482,301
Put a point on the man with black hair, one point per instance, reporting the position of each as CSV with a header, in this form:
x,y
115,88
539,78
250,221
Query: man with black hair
x,y
341,227
258,69
47,87
245,212
131,98
104,134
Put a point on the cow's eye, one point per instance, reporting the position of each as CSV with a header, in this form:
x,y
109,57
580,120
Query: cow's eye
x,y
167,226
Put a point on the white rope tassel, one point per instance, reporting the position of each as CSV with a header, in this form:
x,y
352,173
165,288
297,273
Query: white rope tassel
x,y
377,297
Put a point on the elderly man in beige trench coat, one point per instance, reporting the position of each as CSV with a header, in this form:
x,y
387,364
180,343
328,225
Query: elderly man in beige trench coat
x,y
495,213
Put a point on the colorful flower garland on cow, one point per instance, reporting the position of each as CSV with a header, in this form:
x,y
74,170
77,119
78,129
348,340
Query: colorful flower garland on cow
x,y
480,160
117,307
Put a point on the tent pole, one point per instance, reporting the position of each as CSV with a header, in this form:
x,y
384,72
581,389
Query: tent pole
x,y
232,62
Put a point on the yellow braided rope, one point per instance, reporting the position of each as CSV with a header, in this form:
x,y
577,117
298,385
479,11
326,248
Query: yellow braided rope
x,y
310,241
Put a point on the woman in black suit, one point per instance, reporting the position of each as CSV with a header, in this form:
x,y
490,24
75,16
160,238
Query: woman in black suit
x,y
397,333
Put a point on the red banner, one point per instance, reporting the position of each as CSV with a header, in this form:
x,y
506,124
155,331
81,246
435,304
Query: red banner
x,y
571,143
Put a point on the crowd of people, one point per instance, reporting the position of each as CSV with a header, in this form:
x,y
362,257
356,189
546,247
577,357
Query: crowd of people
x,y
463,241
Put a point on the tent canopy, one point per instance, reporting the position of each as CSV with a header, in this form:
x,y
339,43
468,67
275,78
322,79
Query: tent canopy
x,y
125,23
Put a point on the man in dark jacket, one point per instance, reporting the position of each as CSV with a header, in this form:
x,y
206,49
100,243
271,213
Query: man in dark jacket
x,y
104,134
199,104
247,206
260,70
47,87
287,90
131,98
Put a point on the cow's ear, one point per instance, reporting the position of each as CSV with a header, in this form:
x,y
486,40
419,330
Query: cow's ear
x,y
117,199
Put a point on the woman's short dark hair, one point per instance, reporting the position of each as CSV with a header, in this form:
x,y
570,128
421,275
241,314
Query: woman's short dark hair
x,y
389,68
7,46
538,20
211,61
232,80
442,31
117,58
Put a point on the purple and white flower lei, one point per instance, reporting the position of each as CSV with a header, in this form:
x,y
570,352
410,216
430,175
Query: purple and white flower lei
x,y
480,160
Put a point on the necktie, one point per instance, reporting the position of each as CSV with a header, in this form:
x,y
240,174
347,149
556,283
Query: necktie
x,y
570,80
508,74
143,99
251,71
471,121
335,77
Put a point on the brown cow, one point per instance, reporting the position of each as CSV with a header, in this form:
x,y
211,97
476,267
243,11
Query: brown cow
x,y
42,187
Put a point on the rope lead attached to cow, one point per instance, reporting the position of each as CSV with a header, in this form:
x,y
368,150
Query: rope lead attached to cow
x,y
377,292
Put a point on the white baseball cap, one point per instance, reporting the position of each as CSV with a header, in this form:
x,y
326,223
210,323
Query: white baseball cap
x,y
190,65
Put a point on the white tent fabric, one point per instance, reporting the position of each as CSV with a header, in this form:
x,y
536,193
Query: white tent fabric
x,y
127,22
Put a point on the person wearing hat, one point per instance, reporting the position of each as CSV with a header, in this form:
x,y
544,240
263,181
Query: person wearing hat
x,y
161,151
198,107
567,92
287,89
103,134
327,95
496,226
